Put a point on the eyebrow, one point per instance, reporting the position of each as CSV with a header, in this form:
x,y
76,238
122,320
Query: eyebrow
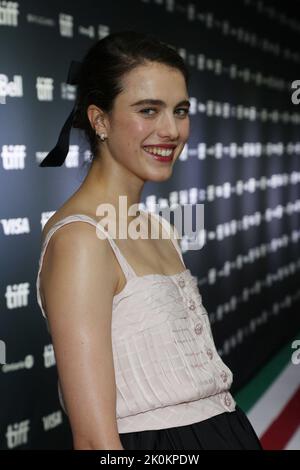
x,y
160,102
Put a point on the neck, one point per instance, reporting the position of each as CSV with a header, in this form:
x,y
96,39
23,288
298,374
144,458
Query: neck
x,y
111,183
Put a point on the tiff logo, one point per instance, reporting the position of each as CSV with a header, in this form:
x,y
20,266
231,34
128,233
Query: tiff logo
x,y
17,434
9,12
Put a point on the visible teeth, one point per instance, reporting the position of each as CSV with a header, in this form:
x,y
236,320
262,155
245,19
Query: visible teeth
x,y
159,151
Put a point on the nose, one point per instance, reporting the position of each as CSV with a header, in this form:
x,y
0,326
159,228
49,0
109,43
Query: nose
x,y
167,126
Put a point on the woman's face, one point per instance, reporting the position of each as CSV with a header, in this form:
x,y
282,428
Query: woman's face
x,y
134,126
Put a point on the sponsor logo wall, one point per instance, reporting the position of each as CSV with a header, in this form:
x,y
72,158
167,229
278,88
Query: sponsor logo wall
x,y
242,161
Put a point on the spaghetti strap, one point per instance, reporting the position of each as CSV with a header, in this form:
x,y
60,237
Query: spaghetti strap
x,y
126,268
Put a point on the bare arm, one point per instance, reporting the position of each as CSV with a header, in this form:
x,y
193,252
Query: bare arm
x,y
79,279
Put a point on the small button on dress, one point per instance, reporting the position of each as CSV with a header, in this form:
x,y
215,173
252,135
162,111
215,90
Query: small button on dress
x,y
209,353
198,329
227,399
224,376
191,304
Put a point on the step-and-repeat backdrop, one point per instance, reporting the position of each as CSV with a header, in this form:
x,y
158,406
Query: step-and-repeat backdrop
x,y
241,161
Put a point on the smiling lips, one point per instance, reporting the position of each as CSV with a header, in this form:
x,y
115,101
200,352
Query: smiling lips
x,y
159,153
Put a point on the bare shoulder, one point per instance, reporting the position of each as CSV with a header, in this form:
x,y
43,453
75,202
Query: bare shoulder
x,y
77,246
59,215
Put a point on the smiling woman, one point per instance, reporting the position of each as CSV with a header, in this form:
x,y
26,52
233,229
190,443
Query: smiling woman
x,y
100,83
137,364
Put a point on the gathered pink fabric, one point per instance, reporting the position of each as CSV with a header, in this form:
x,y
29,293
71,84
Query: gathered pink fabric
x,y
168,372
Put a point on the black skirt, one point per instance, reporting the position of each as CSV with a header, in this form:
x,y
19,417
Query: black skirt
x,y
229,430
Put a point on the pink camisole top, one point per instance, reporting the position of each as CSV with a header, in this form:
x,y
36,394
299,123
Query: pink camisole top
x,y
168,372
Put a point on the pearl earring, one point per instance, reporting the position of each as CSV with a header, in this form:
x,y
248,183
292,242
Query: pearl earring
x,y
102,136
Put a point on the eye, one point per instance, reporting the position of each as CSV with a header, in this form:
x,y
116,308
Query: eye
x,y
147,109
186,111
144,111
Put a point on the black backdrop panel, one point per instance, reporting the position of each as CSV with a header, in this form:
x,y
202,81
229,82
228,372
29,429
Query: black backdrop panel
x,y
241,161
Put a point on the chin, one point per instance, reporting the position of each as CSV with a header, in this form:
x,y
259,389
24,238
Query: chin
x,y
159,177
